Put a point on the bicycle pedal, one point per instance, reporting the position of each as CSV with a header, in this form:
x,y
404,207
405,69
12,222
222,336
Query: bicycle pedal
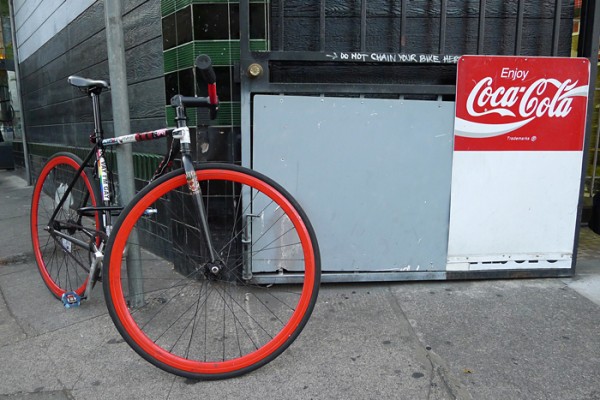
x,y
71,299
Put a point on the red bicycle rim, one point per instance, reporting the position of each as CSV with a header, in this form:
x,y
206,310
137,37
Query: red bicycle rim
x,y
54,288
212,367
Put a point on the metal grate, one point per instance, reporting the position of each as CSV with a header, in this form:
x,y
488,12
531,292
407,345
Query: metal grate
x,y
393,47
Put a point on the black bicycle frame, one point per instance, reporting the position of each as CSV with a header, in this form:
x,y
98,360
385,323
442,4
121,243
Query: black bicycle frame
x,y
181,133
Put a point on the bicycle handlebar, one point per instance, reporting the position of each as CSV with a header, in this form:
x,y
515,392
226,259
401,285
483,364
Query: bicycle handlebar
x,y
190,101
204,66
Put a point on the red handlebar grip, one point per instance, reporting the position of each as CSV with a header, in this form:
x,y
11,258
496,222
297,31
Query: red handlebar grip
x,y
212,94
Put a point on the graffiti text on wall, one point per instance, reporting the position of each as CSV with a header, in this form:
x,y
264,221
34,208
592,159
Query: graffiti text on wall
x,y
394,57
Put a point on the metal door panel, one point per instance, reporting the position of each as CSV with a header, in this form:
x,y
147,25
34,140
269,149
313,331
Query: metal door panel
x,y
372,175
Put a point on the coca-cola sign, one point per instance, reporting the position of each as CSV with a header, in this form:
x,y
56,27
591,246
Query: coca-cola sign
x,y
521,103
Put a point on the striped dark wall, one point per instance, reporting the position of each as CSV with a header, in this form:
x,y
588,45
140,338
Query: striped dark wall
x,y
421,28
58,115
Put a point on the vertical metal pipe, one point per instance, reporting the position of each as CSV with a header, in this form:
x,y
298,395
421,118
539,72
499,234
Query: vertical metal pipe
x,y
556,27
322,26
519,27
245,97
443,15
113,12
481,30
363,25
13,28
120,101
403,27
281,21
244,27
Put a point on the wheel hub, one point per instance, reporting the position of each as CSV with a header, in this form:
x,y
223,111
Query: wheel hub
x,y
212,270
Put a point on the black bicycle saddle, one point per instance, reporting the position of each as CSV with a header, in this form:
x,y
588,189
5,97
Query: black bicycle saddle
x,y
90,85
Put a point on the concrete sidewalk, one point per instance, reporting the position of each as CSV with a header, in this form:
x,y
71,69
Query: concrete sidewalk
x,y
500,339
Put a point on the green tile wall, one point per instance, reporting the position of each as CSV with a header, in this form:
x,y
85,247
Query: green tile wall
x,y
219,21
170,6
222,52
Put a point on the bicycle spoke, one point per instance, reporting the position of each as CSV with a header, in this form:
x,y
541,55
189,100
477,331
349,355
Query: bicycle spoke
x,y
203,310
60,262
177,320
195,319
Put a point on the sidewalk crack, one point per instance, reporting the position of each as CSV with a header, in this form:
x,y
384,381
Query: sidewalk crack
x,y
12,316
440,374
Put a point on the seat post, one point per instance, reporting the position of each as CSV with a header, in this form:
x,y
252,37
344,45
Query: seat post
x,y
97,116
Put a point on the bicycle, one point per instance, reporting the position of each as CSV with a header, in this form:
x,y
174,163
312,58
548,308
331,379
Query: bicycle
x,y
210,272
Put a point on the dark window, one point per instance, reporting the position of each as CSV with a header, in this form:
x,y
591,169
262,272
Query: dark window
x,y
213,21
171,86
184,25
169,32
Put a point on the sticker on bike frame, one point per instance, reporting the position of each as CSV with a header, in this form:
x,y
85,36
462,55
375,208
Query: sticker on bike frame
x,y
103,173
192,181
66,245
136,137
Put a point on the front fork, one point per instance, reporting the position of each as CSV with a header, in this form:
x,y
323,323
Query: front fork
x,y
183,134
216,263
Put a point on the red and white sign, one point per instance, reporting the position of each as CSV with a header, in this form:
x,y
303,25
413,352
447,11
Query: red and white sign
x,y
521,103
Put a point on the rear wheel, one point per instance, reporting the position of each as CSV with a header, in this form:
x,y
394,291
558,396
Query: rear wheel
x,y
63,265
219,319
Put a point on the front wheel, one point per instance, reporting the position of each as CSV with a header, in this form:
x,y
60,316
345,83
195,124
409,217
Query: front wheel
x,y
209,318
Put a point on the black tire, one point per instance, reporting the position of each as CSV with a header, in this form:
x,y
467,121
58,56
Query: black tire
x,y
171,322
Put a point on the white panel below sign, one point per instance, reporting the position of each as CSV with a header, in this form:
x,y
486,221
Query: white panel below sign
x,y
513,206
